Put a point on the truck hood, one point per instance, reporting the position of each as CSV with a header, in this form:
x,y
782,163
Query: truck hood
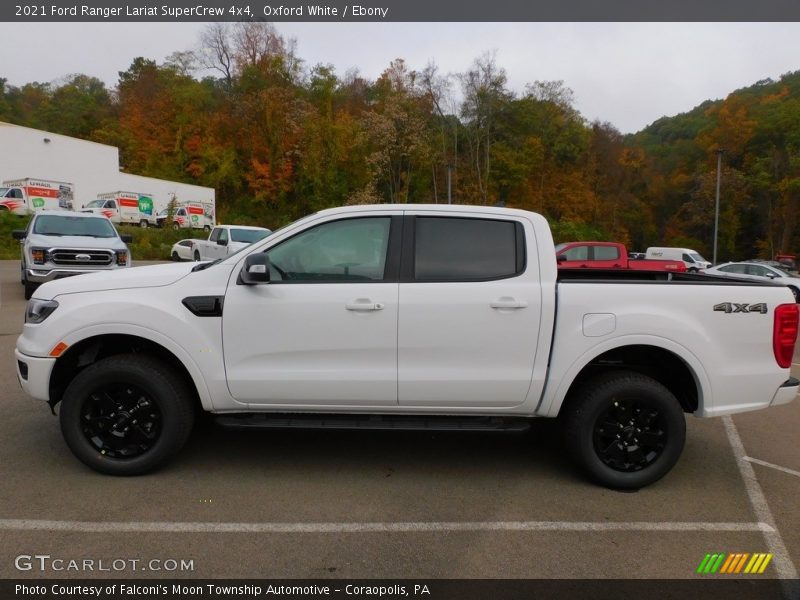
x,y
74,241
116,279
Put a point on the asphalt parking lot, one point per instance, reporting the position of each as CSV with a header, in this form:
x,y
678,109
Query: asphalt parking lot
x,y
393,505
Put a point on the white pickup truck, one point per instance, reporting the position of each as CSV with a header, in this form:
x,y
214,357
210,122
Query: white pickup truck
x,y
225,240
404,316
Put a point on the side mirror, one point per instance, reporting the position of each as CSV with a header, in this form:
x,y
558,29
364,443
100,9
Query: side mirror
x,y
255,270
222,242
127,238
560,258
772,275
19,234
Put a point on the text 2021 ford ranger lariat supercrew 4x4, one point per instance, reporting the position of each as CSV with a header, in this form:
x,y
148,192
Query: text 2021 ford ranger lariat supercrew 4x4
x,y
404,316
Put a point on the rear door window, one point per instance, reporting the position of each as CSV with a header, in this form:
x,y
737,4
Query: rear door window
x,y
464,249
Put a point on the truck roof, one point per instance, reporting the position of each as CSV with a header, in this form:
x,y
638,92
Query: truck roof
x,y
471,208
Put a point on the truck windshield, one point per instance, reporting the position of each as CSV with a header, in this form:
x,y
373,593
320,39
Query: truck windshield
x,y
3,192
67,225
248,235
696,257
95,204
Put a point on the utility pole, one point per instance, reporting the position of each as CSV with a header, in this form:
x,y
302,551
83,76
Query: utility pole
x,y
449,184
720,152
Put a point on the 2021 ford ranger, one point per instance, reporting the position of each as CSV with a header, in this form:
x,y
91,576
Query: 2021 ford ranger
x,y
404,317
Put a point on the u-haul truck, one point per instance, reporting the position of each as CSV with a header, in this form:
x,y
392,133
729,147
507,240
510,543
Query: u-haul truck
x,y
190,215
29,195
129,208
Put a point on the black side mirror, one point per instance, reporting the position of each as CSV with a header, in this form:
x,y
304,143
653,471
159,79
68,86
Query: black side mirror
x,y
19,234
222,242
255,270
560,258
127,238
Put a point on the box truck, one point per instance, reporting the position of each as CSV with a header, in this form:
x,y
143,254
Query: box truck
x,y
190,215
130,208
29,195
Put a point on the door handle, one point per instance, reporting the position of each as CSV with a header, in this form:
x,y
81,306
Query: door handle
x,y
508,303
363,305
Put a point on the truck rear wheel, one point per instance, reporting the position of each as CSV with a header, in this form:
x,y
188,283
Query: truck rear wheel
x,y
143,224
126,414
625,429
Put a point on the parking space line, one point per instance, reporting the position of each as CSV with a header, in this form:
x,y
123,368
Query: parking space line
x,y
401,527
764,463
783,561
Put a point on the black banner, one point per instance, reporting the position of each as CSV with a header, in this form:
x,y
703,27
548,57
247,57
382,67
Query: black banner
x,y
401,10
463,589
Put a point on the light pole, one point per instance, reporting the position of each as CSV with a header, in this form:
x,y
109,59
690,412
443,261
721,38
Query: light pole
x,y
720,152
449,184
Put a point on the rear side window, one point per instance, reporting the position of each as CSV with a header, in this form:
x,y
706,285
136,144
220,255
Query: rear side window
x,y
606,253
459,249
577,253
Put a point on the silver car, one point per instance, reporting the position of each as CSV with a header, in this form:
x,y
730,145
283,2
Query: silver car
x,y
759,272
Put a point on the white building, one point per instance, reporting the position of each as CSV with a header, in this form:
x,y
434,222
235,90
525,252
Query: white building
x,y
91,167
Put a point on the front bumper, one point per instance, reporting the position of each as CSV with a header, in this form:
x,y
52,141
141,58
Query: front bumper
x,y
786,393
33,374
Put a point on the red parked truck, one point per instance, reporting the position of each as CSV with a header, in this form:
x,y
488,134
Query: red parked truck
x,y
608,255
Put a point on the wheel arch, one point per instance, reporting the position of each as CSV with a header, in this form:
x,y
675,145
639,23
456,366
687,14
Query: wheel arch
x,y
669,364
92,348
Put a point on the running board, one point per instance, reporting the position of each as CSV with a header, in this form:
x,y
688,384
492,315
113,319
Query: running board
x,y
373,422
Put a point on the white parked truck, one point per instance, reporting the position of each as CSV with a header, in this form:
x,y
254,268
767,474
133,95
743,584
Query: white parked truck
x,y
27,196
130,208
227,239
404,316
64,244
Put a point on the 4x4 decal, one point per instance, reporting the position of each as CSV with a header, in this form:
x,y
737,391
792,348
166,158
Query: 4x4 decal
x,y
735,307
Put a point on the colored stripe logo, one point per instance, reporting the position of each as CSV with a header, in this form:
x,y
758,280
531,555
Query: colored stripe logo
x,y
734,563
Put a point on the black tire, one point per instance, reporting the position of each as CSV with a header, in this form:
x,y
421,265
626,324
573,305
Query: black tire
x,y
126,414
607,416
29,289
176,226
206,228
691,270
143,224
175,257
197,256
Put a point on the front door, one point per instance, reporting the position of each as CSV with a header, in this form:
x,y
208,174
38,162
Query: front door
x,y
323,331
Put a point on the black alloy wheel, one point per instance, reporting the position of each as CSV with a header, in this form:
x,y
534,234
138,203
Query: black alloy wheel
x,y
625,429
120,421
629,435
127,414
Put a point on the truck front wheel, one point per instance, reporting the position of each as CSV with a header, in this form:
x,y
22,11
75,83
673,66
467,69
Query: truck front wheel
x,y
625,429
126,414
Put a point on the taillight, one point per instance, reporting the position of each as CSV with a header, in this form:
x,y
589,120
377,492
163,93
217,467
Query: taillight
x,y
38,255
784,333
122,258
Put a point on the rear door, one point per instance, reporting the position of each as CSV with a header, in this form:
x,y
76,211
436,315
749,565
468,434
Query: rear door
x,y
470,311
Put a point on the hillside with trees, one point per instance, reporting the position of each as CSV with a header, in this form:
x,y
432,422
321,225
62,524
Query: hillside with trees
x,y
279,138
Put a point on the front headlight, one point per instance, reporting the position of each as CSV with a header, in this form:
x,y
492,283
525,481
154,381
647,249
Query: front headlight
x,y
39,310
